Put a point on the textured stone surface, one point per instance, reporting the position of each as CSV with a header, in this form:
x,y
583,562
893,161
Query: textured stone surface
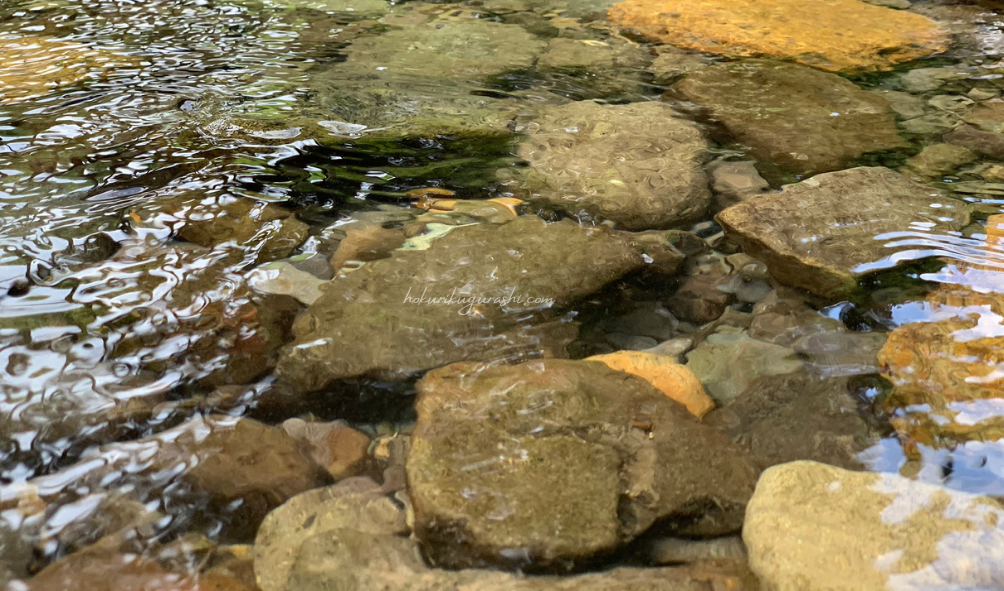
x,y
843,35
362,324
792,117
728,362
815,527
824,233
267,228
637,165
548,463
663,372
797,416
357,505
939,159
447,47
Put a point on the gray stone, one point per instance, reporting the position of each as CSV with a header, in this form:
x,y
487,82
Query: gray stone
x,y
630,342
282,278
797,416
928,79
793,117
678,550
821,234
637,165
934,123
674,348
729,362
813,527
671,63
784,320
447,47
647,319
735,181
358,505
549,463
842,353
362,324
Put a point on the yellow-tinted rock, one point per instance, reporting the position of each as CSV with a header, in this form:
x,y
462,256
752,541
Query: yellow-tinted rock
x,y
671,378
948,373
834,35
35,66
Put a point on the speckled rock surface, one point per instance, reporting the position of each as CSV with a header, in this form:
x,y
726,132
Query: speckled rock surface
x,y
728,362
798,416
847,36
637,165
813,527
545,464
362,324
793,118
822,234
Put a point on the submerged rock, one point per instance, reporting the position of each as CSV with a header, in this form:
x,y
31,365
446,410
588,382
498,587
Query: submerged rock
x,y
824,233
356,505
811,526
729,362
797,416
549,463
373,321
637,165
939,159
733,182
269,229
460,48
793,117
847,35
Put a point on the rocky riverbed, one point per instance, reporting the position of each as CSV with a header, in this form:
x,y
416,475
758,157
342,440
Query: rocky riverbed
x,y
534,295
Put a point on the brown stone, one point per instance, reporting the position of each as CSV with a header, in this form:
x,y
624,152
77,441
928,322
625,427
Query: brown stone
x,y
547,464
822,234
794,118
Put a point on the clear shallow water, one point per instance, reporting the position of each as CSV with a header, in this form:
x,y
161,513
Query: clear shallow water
x,y
122,123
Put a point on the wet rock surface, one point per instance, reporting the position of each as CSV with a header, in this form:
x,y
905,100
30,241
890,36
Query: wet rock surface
x,y
360,323
792,117
798,416
847,36
637,165
620,458
812,526
824,233
729,361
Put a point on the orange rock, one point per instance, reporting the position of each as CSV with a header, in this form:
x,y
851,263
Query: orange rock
x,y
833,35
671,378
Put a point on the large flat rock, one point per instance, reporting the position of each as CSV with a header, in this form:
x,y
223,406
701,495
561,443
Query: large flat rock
x,y
824,233
363,324
794,119
816,527
638,165
546,464
835,35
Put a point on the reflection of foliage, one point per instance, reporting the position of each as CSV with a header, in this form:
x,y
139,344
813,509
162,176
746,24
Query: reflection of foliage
x,y
384,169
